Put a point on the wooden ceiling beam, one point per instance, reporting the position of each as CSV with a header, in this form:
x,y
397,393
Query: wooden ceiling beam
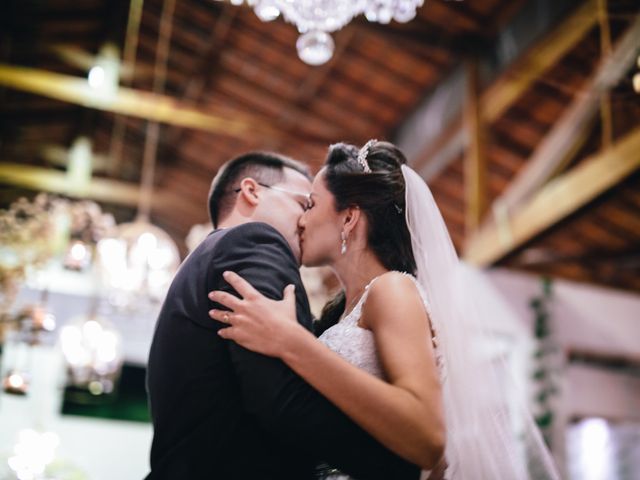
x,y
475,162
206,65
82,60
555,202
511,85
131,102
502,12
606,114
205,60
99,189
422,39
627,258
253,95
575,122
548,52
47,180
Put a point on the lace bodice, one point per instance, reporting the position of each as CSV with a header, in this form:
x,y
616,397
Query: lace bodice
x,y
352,342
357,345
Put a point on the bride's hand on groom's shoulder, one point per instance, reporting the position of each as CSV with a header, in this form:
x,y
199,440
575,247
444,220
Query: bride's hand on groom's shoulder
x,y
256,322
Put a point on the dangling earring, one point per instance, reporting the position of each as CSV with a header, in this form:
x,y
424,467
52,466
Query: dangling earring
x,y
343,247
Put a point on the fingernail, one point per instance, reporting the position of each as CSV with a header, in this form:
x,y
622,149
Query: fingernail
x,y
212,295
211,312
225,274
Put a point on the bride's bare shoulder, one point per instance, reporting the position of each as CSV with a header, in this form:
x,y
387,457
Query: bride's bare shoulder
x,y
393,283
392,292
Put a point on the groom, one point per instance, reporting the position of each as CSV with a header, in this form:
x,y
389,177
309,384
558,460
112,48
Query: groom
x,y
220,411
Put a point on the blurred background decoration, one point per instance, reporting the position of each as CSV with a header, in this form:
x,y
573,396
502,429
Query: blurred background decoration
x,y
138,264
31,232
92,351
522,115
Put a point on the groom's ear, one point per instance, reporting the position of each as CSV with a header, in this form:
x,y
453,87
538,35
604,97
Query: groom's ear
x,y
248,188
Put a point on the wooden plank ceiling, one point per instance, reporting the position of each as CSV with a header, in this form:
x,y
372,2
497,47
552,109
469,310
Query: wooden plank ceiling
x,y
225,61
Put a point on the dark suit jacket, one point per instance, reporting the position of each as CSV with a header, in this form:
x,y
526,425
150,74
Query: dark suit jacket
x,y
222,412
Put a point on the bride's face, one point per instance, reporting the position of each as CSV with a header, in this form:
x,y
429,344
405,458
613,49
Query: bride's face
x,y
320,226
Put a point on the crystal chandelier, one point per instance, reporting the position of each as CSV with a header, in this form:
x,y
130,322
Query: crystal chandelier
x,y
315,19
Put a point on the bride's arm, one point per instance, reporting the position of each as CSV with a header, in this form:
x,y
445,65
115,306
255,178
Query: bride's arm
x,y
406,413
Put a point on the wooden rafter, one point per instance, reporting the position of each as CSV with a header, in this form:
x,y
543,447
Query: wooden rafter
x,y
510,86
99,189
475,161
555,202
205,67
530,67
127,101
47,180
575,121
606,114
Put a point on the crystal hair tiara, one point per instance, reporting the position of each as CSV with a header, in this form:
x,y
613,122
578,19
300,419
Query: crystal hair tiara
x,y
362,155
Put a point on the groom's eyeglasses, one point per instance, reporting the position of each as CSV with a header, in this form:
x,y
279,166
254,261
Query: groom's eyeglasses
x,y
304,199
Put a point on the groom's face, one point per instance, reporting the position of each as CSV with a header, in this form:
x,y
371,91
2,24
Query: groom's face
x,y
282,205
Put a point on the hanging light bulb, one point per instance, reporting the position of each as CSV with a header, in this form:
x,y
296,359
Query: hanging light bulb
x,y
96,77
104,76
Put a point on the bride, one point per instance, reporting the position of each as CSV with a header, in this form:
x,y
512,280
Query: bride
x,y
400,348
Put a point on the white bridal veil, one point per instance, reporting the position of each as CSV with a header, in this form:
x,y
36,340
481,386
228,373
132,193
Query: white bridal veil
x,y
488,438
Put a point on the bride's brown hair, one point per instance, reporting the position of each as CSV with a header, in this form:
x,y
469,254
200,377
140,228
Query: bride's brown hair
x,y
380,195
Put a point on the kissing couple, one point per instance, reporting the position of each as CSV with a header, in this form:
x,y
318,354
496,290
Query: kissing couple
x,y
393,380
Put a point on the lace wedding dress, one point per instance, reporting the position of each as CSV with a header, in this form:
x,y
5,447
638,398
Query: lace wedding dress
x,y
487,439
357,345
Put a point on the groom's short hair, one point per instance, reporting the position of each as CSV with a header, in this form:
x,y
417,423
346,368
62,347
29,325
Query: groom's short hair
x,y
263,167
